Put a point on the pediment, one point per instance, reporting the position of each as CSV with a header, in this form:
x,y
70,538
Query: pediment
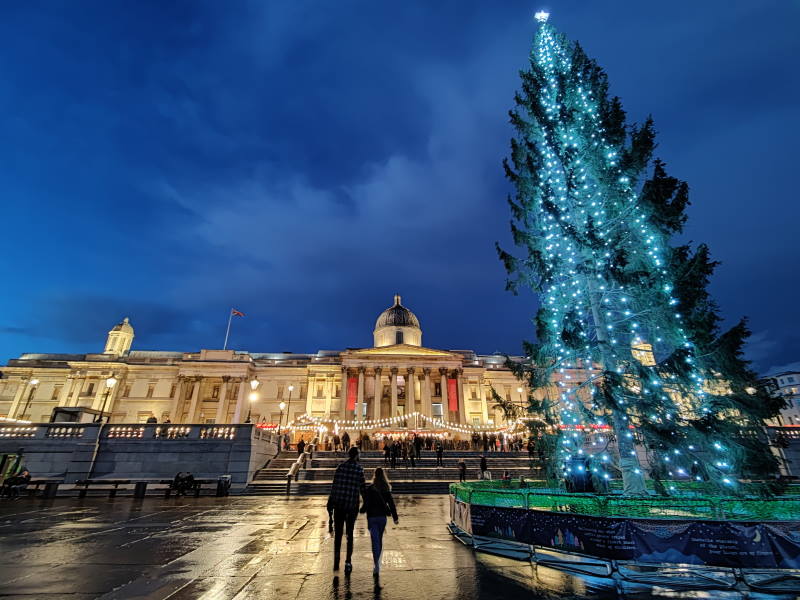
x,y
401,350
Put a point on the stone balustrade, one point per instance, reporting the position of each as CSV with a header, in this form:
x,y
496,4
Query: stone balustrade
x,y
77,451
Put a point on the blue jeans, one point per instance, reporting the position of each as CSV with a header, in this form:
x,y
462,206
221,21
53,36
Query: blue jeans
x,y
376,526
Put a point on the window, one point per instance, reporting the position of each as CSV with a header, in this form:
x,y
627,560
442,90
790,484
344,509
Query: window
x,y
151,387
303,390
90,389
172,391
476,421
126,392
791,379
436,409
337,390
473,392
398,337
56,392
319,392
437,389
280,392
215,392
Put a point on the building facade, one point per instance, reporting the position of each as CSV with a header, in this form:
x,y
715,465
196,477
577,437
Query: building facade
x,y
786,385
393,379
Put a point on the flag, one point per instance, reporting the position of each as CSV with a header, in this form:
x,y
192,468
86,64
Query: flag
x,y
236,313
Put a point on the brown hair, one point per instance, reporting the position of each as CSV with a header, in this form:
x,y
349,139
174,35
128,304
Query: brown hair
x,y
380,481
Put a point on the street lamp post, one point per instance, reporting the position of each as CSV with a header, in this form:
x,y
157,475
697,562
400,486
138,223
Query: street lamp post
x,y
34,383
254,383
282,406
110,383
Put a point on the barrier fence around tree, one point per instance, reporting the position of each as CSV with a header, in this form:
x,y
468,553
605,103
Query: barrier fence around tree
x,y
691,529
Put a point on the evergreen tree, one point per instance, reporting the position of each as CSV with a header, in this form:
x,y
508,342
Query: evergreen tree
x,y
594,213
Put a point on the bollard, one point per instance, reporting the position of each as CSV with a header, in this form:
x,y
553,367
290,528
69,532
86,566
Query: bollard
x,y
140,490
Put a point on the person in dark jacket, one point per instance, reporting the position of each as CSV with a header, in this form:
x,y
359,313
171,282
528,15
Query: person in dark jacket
x,y
484,467
301,446
13,486
439,453
462,471
348,486
346,441
378,504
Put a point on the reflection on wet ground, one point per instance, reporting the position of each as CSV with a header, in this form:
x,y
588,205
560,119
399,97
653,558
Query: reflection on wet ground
x,y
248,548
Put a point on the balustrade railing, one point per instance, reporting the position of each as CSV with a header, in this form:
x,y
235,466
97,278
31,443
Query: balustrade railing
x,y
135,431
15,432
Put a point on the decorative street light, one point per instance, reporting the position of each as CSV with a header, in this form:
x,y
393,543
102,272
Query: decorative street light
x,y
282,406
34,383
254,383
110,383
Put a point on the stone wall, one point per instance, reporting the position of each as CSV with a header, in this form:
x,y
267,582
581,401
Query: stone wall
x,y
80,451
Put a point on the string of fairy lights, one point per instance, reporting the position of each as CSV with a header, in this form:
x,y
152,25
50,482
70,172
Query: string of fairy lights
x,y
306,422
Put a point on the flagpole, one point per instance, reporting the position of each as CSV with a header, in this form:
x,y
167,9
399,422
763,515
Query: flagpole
x,y
228,331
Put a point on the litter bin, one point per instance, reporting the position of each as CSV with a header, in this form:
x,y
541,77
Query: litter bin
x,y
223,485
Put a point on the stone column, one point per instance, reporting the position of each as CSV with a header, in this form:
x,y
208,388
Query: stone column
x,y
329,395
377,393
222,407
427,410
393,384
240,400
77,388
193,405
360,399
484,404
97,403
310,391
63,397
411,392
174,415
462,409
445,404
23,385
343,412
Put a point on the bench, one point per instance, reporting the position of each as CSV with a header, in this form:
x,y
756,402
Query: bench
x,y
115,483
50,486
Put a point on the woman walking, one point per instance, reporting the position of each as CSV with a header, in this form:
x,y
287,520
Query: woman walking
x,y
378,504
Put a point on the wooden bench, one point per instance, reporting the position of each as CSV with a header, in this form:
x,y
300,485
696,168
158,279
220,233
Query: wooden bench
x,y
50,488
84,484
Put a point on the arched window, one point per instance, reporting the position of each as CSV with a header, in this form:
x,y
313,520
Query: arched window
x,y
398,337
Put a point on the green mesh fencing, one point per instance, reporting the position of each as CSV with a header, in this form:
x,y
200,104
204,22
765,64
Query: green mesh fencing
x,y
690,503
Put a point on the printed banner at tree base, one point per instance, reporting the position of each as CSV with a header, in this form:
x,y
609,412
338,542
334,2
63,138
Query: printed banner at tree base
x,y
769,545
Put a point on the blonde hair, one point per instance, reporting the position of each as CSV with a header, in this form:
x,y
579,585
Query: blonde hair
x,y
380,481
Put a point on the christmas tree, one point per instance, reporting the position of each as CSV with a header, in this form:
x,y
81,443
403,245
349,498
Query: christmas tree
x,y
594,214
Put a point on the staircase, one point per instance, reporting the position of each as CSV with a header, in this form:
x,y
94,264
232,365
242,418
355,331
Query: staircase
x,y
424,478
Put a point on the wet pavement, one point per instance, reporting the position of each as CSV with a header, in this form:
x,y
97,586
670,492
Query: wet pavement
x,y
242,548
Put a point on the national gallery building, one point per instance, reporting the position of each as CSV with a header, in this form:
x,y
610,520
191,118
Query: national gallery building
x,y
398,376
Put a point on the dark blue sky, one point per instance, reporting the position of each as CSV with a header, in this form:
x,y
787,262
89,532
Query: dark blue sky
x,y
303,161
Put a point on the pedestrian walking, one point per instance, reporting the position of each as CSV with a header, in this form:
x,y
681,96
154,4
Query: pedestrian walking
x,y
348,485
411,453
439,454
387,452
301,446
346,441
378,504
462,471
395,453
337,442
484,467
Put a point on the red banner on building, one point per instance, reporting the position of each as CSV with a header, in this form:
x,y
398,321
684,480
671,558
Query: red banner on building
x,y
352,392
452,394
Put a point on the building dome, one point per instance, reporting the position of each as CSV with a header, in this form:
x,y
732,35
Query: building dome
x,y
124,325
397,316
397,325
